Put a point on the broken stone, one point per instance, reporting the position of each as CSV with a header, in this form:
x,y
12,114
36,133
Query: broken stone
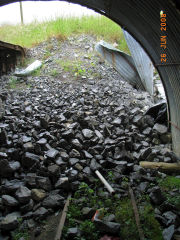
x,y
10,222
9,201
29,160
88,213
87,133
23,194
38,194
44,183
107,227
53,200
6,169
160,129
156,196
52,153
40,213
168,233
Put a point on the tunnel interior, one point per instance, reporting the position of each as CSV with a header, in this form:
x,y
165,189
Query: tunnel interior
x,y
142,21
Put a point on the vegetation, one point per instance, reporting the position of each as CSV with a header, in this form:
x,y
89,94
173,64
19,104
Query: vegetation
x,y
20,232
61,28
168,184
85,196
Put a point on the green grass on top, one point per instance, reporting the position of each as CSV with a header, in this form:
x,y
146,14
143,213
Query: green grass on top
x,y
34,33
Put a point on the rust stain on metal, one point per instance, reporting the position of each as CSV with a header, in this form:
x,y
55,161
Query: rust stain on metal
x,y
10,54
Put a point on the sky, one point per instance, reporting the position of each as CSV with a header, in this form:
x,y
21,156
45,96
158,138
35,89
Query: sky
x,y
40,11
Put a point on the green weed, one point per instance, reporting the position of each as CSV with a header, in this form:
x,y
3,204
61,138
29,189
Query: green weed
x,y
54,73
13,82
19,233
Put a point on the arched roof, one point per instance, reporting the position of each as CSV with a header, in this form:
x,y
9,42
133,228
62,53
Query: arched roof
x,y
141,18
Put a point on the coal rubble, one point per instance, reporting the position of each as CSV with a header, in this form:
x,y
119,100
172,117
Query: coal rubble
x,y
56,133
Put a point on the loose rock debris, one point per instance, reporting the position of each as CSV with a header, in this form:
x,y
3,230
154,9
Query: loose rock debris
x,y
58,129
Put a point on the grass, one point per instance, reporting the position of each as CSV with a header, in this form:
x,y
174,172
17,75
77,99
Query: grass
x,y
61,28
85,196
75,67
167,185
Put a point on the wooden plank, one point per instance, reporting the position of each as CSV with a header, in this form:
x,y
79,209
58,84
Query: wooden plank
x,y
161,166
63,219
136,214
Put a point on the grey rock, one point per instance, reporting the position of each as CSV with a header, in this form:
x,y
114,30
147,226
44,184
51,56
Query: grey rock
x,y
64,156
168,233
107,227
10,222
52,153
72,233
28,109
145,153
28,146
42,141
87,155
9,201
27,207
137,120
98,134
30,159
3,137
160,129
94,165
156,196
88,213
40,213
87,133
23,194
73,161
87,170
72,175
116,122
166,138
78,167
109,218
171,217
30,179
54,170
15,166
44,183
74,153
10,187
76,143
53,200
63,183
6,169
26,139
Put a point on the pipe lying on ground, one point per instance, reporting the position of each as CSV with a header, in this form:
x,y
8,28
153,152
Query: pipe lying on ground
x,y
106,184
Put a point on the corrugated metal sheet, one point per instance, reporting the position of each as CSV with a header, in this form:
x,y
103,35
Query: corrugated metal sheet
x,y
142,62
122,62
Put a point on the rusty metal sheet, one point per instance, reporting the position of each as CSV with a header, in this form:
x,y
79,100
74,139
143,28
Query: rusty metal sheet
x,y
142,62
122,62
10,54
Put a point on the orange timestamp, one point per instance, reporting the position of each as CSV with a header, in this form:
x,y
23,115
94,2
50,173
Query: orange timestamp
x,y
163,37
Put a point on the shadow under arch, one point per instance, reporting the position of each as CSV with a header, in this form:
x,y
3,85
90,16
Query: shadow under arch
x,y
141,18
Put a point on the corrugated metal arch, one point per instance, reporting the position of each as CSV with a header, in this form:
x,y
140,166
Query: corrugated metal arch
x,y
141,18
